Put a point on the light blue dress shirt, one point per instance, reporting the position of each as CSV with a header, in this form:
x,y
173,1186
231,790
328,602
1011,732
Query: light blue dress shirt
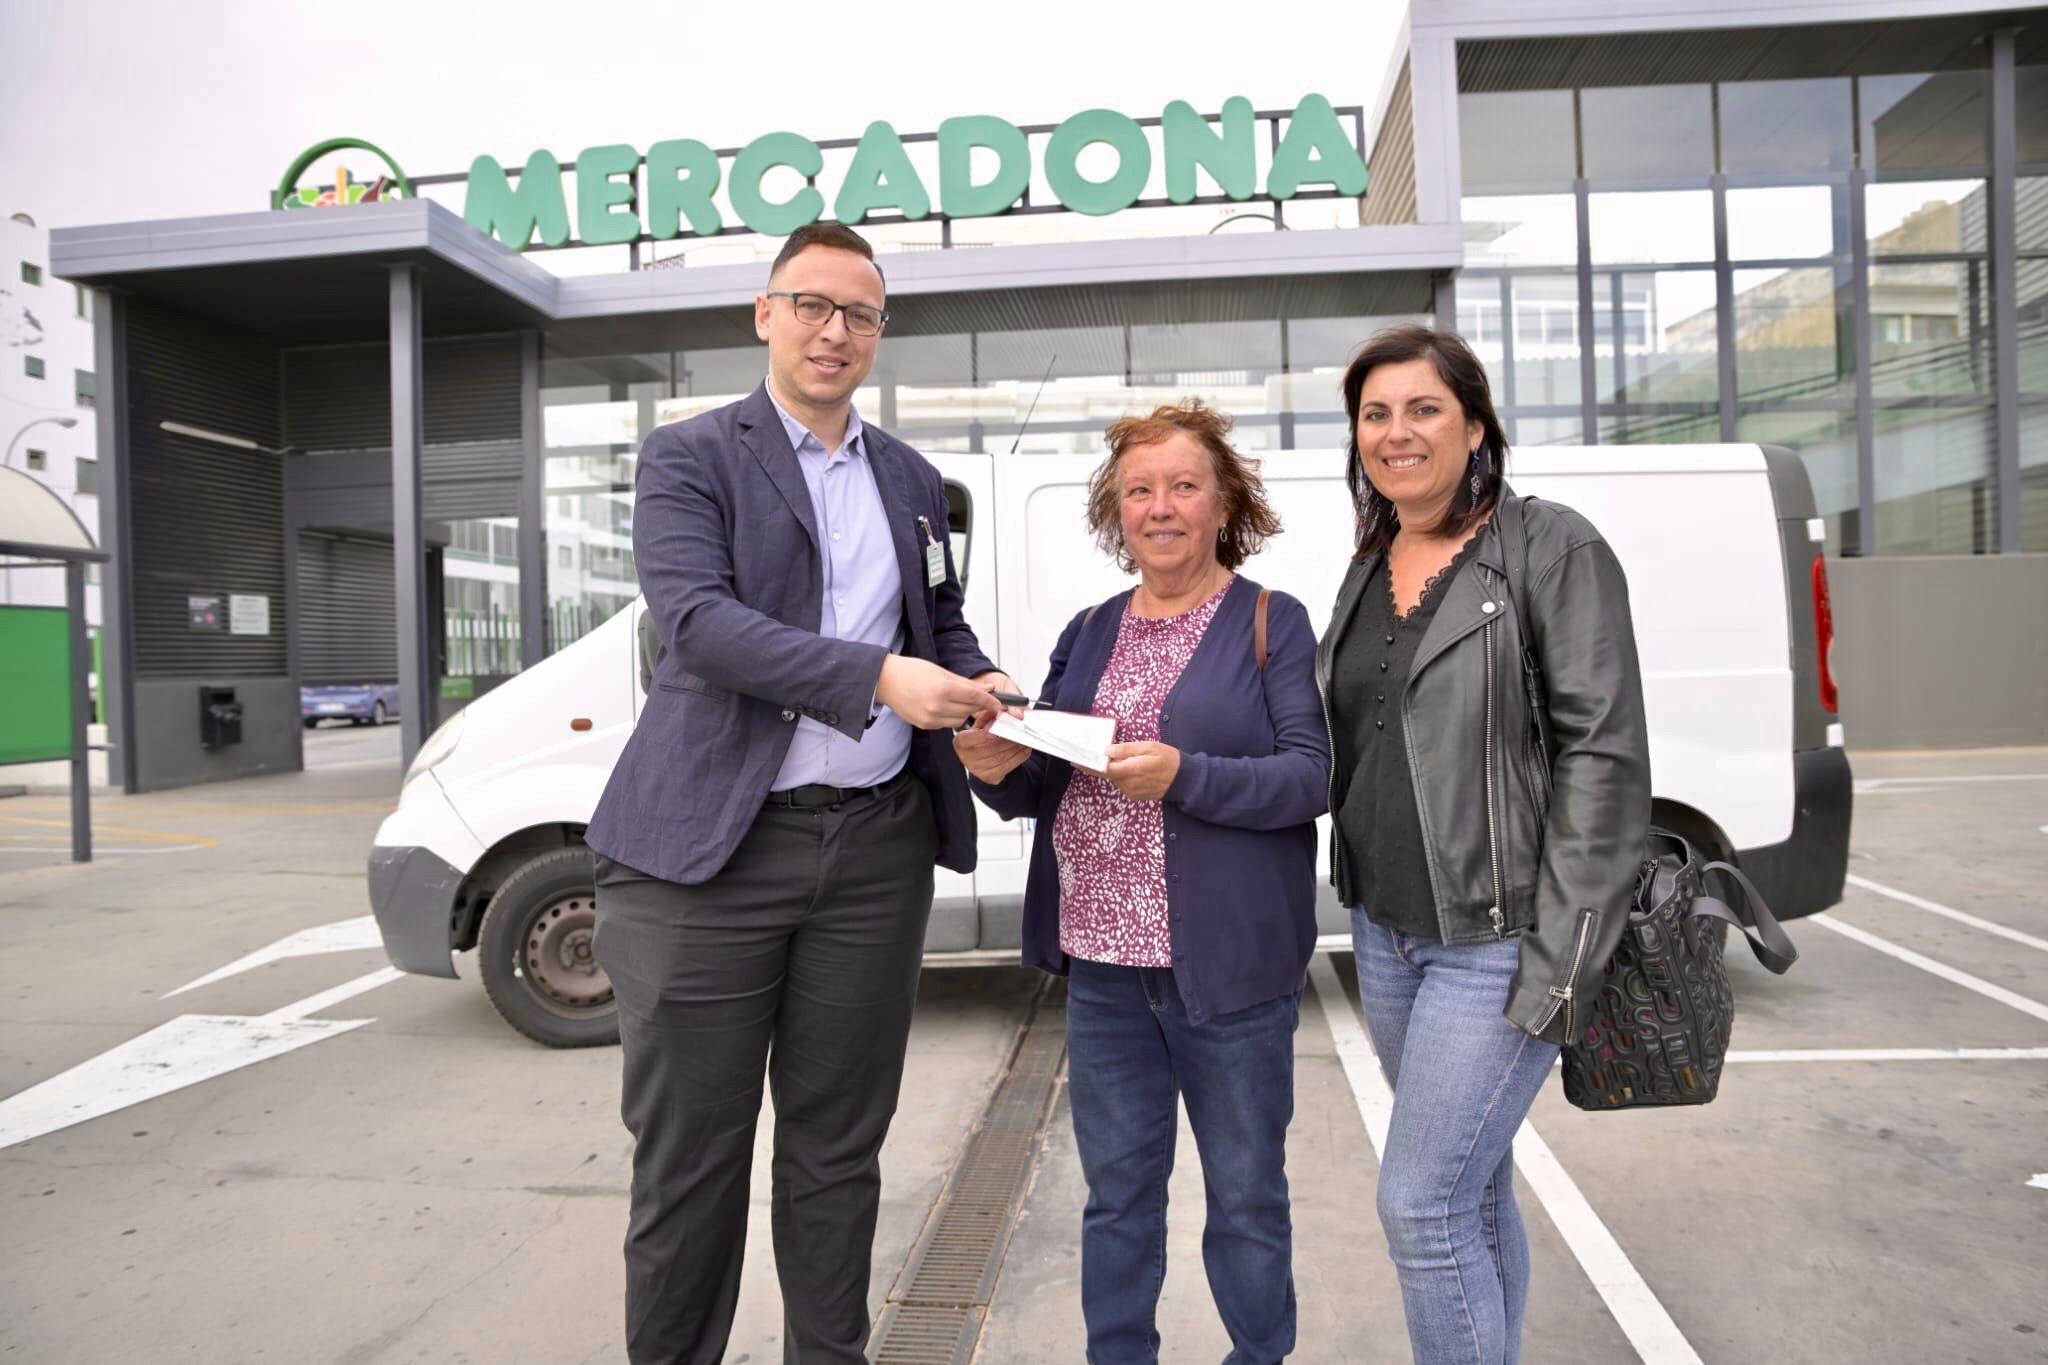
x,y
863,600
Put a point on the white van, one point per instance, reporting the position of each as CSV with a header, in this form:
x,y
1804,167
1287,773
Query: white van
x,y
1722,549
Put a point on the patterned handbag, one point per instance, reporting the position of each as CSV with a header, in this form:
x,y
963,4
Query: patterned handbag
x,y
1657,1019
1654,1025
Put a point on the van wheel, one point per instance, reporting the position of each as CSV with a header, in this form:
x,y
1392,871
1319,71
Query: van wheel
x,y
535,949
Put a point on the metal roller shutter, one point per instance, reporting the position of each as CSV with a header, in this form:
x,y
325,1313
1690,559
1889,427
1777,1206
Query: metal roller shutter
x,y
207,518
347,612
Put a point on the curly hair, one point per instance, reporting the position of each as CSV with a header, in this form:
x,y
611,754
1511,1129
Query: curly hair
x,y
1249,520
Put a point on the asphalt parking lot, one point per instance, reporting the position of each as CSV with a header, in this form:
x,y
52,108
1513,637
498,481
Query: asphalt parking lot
x,y
307,1158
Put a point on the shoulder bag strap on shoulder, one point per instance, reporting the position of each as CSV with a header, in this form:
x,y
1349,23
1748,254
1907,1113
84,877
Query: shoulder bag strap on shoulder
x,y
1259,627
1514,539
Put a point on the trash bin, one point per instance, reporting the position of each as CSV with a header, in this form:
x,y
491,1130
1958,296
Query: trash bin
x,y
220,717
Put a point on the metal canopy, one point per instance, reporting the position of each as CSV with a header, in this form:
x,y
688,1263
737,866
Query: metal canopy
x,y
37,520
1865,45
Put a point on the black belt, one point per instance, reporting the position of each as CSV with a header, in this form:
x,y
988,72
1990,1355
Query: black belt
x,y
818,796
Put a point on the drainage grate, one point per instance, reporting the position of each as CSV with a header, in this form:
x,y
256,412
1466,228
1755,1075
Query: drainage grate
x,y
935,1315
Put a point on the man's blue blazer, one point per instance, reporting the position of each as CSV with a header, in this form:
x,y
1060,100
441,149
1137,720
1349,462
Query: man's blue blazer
x,y
726,545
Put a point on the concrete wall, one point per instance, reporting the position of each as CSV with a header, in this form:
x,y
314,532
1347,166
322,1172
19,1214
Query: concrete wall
x,y
1942,652
168,753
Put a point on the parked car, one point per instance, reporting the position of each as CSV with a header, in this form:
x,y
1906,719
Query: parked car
x,y
1729,592
356,703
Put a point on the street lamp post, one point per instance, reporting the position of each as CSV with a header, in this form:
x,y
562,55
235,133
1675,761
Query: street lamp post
x,y
8,458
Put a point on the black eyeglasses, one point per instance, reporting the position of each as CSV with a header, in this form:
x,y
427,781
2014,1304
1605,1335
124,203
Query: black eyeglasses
x,y
816,310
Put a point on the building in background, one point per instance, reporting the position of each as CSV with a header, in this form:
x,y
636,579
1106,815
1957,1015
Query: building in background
x,y
48,394
1822,225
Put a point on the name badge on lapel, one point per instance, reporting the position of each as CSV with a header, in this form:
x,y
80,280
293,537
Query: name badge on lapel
x,y
934,556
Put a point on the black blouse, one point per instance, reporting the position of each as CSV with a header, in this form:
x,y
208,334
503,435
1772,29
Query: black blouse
x,y
1375,794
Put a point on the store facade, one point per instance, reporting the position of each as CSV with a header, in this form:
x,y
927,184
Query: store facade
x,y
1824,227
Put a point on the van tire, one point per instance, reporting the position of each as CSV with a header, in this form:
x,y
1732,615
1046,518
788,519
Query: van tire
x,y
533,949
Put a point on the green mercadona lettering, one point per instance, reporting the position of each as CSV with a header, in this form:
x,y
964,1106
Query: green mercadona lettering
x,y
684,176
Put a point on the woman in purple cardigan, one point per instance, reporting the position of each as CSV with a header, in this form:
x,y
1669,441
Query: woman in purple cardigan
x,y
1176,891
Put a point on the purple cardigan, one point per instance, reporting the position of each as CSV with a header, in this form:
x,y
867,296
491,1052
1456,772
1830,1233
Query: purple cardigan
x,y
1240,816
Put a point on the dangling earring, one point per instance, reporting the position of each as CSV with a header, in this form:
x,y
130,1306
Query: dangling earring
x,y
1475,476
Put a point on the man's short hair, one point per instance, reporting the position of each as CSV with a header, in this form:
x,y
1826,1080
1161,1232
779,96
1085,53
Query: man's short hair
x,y
838,236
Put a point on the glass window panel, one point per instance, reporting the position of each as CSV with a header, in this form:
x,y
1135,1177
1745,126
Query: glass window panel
x,y
2034,477
590,572
1924,122
1925,216
1543,431
1936,489
2030,209
1791,334
480,597
1668,342
1481,318
1930,330
1782,223
1785,127
1546,373
1826,443
1662,227
1647,133
1689,426
2032,277
1516,142
2031,91
1528,229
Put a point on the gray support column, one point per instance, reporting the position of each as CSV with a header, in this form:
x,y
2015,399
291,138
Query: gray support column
x,y
1287,388
416,701
81,707
117,654
1862,539
1724,310
1504,382
533,547
2005,315
1443,301
1589,362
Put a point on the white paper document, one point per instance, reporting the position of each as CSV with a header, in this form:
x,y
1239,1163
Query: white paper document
x,y
1081,740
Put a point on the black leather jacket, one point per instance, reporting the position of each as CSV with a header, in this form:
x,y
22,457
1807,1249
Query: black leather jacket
x,y
1512,849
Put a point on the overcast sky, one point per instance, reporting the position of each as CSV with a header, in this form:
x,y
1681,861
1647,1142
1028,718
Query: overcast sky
x,y
118,110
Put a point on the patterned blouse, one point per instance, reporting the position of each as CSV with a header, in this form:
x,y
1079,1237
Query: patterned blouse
x,y
1111,850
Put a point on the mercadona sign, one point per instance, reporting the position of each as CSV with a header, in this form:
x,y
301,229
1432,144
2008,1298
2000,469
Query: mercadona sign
x,y
684,176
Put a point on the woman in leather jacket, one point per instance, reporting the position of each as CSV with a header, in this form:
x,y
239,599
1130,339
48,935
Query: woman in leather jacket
x,y
1487,872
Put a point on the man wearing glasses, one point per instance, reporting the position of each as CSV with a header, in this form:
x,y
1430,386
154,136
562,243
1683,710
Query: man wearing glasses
x,y
768,836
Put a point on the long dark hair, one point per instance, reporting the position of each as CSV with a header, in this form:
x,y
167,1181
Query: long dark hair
x,y
1462,373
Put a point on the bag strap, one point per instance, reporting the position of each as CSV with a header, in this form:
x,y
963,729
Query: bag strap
x,y
1514,539
1767,940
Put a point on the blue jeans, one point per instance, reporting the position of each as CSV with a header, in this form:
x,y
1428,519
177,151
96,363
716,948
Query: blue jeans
x,y
1463,1080
1132,1054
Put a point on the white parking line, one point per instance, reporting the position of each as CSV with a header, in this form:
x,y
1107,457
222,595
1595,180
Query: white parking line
x,y
1636,1309
185,1051
1866,786
342,936
1959,916
1940,969
1899,1054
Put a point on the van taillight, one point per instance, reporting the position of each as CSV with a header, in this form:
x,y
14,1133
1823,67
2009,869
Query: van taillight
x,y
1824,635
